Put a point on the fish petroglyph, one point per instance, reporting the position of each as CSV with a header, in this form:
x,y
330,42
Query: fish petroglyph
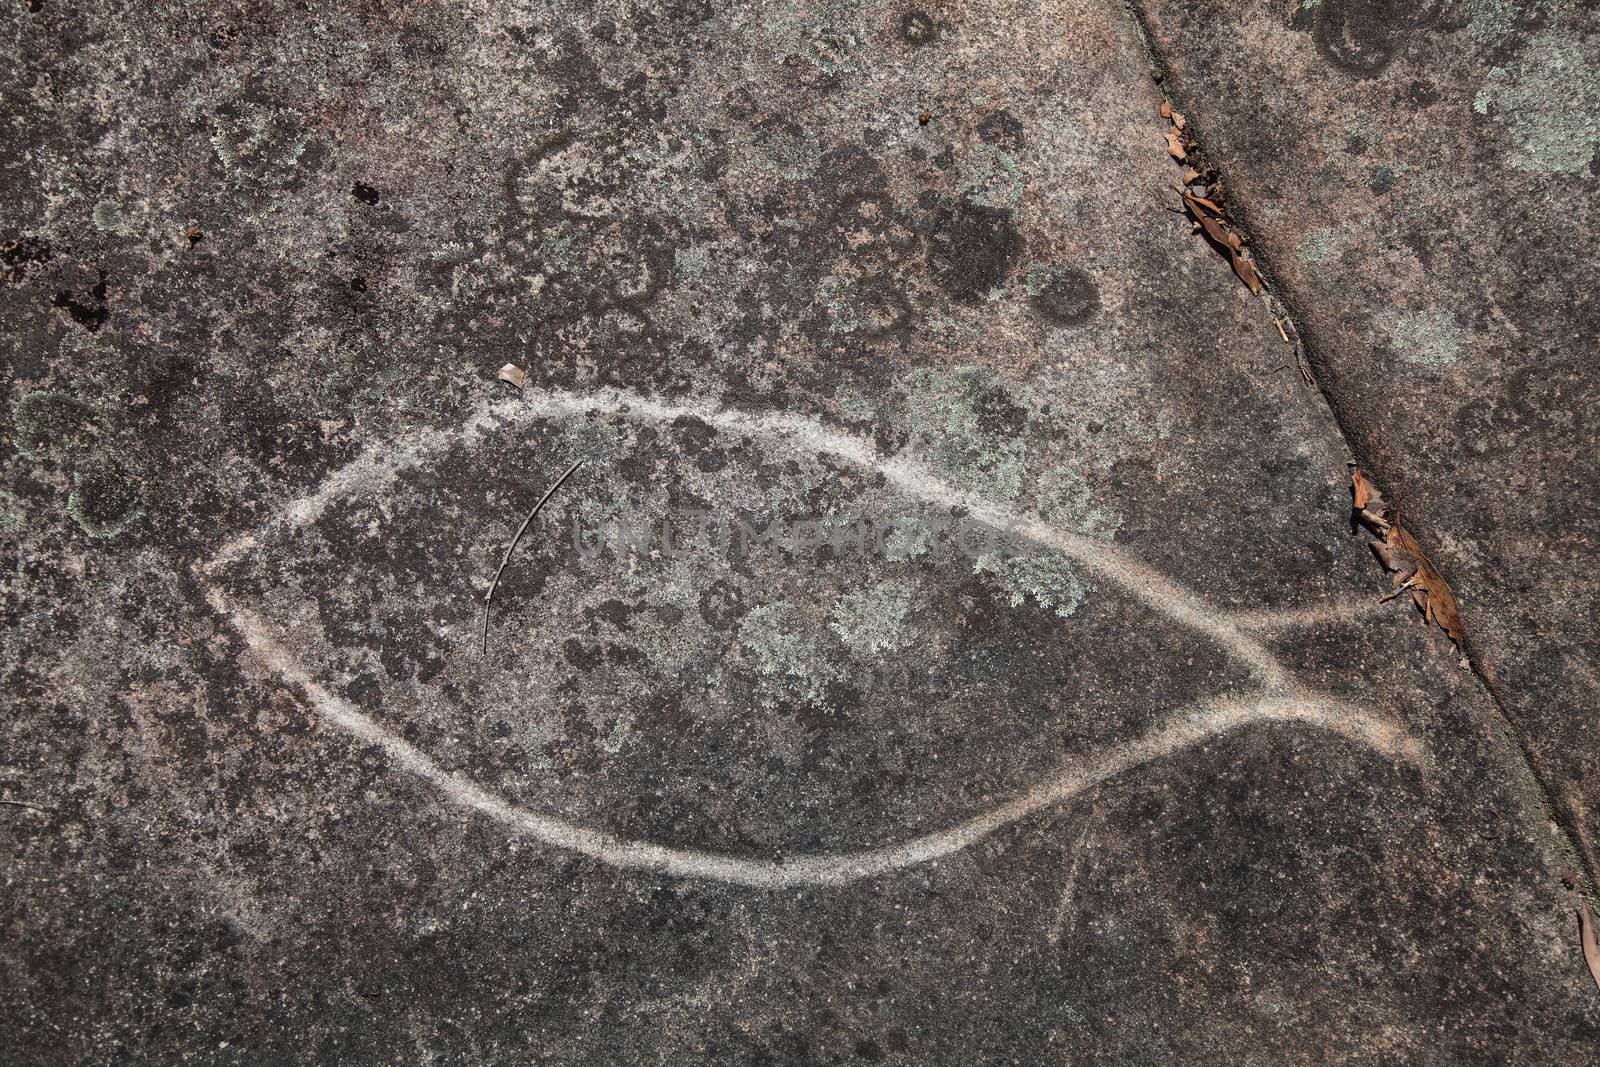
x,y
1276,701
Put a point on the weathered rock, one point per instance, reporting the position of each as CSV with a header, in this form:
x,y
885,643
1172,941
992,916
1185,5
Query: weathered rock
x,y
1152,779
1427,195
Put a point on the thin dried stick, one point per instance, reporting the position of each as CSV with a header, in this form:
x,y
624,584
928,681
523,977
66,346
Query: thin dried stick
x,y
493,585
25,804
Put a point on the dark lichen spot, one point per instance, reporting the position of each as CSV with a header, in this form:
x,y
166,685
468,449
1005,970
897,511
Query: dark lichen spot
x,y
365,193
918,28
721,605
90,314
48,422
973,249
1065,295
1003,129
1422,94
358,285
21,254
1361,36
103,499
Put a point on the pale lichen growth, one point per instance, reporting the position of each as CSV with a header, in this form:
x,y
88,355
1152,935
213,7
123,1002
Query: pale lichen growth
x,y
1548,100
818,37
107,216
1064,498
789,152
781,646
1050,581
261,145
872,620
990,177
1317,245
1430,337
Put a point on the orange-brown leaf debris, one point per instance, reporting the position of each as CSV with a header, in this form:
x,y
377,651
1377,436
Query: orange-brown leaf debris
x,y
1591,953
1206,206
1414,573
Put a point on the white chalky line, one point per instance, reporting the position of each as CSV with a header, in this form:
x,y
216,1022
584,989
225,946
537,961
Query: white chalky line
x,y
378,468
1204,722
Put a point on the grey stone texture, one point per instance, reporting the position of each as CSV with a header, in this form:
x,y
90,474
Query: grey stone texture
x,y
1126,766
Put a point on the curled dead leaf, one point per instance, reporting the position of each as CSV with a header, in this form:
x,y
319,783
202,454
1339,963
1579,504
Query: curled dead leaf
x,y
1246,272
1368,502
1175,146
1591,953
1414,573
513,375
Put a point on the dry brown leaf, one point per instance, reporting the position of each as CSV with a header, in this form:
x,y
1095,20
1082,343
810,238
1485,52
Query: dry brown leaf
x,y
1220,231
513,375
1415,573
1202,201
1364,493
1246,272
1175,146
1190,175
1215,229
1368,502
1591,953
1177,120
1166,109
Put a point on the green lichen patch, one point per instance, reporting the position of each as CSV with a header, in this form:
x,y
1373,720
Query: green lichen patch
x,y
872,620
990,177
780,645
1064,498
1049,581
1429,338
1316,246
104,498
12,514
968,425
49,423
108,217
260,146
821,40
789,151
1548,101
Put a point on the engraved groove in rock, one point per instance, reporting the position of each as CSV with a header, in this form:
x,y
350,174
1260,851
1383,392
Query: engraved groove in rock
x,y
1275,701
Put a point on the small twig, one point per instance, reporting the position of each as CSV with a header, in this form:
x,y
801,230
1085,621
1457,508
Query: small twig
x,y
493,585
25,804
